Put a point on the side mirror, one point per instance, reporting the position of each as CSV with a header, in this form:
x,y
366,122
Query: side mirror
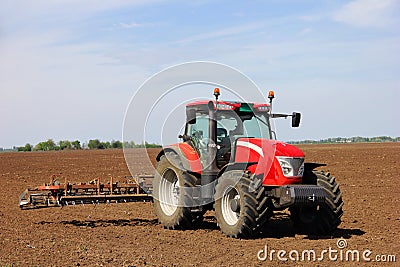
x,y
191,116
296,119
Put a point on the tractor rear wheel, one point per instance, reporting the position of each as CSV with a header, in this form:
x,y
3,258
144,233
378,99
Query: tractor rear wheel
x,y
171,197
240,209
322,219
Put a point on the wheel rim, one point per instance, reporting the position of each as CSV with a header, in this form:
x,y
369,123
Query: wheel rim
x,y
169,192
230,194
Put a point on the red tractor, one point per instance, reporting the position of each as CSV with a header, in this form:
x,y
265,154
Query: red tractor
x,y
229,161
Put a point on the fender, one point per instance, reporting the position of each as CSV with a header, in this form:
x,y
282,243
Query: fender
x,y
309,166
189,157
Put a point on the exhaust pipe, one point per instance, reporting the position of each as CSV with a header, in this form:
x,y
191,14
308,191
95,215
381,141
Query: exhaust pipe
x,y
210,171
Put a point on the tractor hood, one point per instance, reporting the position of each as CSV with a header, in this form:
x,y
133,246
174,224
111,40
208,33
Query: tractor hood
x,y
256,149
264,154
287,150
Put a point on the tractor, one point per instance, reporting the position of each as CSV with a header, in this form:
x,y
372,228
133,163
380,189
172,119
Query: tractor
x,y
229,161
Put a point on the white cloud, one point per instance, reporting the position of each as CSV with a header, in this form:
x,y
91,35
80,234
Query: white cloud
x,y
230,31
368,13
130,25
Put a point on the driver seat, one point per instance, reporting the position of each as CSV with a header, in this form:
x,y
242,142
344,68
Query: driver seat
x,y
224,151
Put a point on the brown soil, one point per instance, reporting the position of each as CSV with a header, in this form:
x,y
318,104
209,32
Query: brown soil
x,y
129,235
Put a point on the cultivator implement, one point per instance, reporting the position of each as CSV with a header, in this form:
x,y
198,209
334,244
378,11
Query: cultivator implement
x,y
55,193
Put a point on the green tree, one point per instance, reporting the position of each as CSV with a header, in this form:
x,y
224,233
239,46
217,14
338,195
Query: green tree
x,y
76,144
64,144
39,146
28,147
116,144
151,145
50,145
95,144
46,145
106,145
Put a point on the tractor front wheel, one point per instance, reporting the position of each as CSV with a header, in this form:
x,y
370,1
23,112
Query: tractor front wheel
x,y
240,209
322,219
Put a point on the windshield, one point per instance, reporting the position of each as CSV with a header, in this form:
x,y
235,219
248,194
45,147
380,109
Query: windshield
x,y
247,124
231,125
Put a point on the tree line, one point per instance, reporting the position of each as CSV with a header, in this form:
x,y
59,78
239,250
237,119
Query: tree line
x,y
50,144
356,139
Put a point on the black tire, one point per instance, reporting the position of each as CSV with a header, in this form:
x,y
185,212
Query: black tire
x,y
174,214
325,218
254,206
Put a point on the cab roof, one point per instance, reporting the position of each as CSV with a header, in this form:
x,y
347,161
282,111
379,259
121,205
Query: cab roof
x,y
229,105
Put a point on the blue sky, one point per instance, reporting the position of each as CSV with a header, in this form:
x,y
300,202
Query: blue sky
x,y
69,68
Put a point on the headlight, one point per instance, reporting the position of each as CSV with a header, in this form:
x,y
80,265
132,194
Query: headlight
x,y
286,167
291,166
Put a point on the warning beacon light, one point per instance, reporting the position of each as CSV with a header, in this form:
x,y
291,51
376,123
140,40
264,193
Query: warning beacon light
x,y
216,93
271,95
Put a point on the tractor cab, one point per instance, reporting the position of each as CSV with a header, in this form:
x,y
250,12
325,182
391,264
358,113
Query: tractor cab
x,y
234,120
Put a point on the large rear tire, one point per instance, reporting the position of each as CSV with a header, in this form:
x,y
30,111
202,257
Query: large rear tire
x,y
241,208
322,219
171,197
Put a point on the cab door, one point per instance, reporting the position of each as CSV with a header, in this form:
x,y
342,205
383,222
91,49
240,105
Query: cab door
x,y
198,133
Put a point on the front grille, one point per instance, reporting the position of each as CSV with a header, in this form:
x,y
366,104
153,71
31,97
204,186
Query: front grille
x,y
298,166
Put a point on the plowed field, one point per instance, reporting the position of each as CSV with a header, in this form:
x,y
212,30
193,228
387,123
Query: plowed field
x,y
129,235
